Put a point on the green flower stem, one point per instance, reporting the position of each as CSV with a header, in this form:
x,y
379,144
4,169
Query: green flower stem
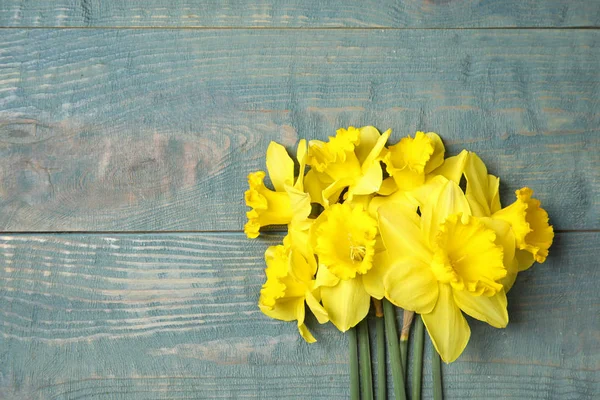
x,y
354,389
418,336
366,375
394,350
380,330
407,320
436,367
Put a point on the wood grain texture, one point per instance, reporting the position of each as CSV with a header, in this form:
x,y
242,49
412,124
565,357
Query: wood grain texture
x,y
141,130
169,316
300,13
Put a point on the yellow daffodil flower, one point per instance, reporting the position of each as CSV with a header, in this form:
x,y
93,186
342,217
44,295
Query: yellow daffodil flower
x,y
444,262
533,233
529,222
411,159
413,165
288,202
290,284
350,160
345,239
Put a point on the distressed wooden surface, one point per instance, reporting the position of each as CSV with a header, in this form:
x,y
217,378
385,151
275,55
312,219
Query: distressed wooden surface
x,y
141,130
169,316
109,131
300,13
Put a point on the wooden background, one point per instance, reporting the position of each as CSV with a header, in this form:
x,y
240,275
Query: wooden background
x,y
127,129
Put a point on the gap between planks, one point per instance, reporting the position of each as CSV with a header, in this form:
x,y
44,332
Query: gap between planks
x,y
213,232
296,28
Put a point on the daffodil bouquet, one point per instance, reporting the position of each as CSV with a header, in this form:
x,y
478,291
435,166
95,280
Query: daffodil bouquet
x,y
394,223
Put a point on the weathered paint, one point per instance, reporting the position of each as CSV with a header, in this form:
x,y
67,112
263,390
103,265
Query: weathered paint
x,y
142,130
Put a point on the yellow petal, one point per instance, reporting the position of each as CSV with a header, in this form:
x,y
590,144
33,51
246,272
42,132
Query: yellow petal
x,y
325,278
399,197
347,303
453,167
374,155
524,259
482,197
409,284
299,203
447,327
301,154
299,267
317,309
407,179
447,200
280,166
437,157
332,193
368,183
305,333
388,187
400,232
422,193
373,280
368,139
302,329
314,187
493,193
487,309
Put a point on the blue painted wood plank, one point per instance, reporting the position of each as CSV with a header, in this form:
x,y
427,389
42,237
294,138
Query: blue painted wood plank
x,y
169,316
139,130
300,13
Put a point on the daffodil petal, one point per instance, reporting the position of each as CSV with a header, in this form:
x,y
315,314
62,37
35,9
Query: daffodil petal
x,y
477,185
368,139
524,259
388,187
300,203
487,309
399,230
280,166
325,277
447,200
373,280
299,267
422,193
317,309
407,179
332,192
447,327
302,329
453,167
368,183
301,153
400,197
437,158
314,187
347,303
305,333
493,193
375,153
409,284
